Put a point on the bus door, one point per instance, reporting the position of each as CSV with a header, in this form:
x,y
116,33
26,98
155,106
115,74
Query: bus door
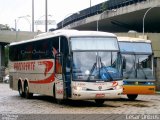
x,y
63,73
59,74
62,59
68,75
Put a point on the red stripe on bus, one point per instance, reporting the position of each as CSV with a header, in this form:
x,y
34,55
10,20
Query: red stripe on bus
x,y
48,66
45,81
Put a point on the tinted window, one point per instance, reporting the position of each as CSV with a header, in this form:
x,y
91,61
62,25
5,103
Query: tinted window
x,y
42,49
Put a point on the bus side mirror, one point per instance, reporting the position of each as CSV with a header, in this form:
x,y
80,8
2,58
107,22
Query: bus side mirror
x,y
123,63
68,63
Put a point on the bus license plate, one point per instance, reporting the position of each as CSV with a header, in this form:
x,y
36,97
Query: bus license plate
x,y
100,95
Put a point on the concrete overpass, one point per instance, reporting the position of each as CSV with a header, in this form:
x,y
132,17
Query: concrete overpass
x,y
7,37
123,19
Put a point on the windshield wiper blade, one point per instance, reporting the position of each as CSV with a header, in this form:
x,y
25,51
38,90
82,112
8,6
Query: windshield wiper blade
x,y
103,66
141,67
129,72
91,71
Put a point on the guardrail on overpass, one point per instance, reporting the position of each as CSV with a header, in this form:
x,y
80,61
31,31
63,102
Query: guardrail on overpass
x,y
97,9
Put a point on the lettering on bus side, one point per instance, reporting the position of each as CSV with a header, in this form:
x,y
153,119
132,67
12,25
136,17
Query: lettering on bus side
x,y
24,66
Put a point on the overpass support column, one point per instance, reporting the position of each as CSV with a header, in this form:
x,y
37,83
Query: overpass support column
x,y
2,62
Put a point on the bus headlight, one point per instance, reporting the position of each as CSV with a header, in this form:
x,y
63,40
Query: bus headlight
x,y
149,83
79,88
118,87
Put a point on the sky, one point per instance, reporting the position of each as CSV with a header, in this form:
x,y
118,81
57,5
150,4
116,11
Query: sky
x,y
11,10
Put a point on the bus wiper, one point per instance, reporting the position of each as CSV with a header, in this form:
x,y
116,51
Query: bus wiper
x,y
132,68
93,67
101,65
106,70
141,67
91,71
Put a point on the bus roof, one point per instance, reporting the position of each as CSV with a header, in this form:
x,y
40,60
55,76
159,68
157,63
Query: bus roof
x,y
68,33
132,39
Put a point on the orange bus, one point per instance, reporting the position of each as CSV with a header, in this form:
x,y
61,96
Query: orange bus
x,y
138,68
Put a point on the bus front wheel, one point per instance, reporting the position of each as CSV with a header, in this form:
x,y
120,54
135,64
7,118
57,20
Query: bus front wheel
x,y
132,96
99,102
26,91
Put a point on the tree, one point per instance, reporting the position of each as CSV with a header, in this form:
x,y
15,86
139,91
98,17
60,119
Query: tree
x,y
4,27
104,6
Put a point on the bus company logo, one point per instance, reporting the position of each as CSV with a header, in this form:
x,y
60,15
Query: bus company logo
x,y
48,66
100,87
81,84
28,66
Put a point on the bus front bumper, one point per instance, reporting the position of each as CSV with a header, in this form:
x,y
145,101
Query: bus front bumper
x,y
137,89
92,95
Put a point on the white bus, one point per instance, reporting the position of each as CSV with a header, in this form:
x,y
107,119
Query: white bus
x,y
138,68
67,64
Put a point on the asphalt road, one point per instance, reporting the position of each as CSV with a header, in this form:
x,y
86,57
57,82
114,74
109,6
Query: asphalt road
x,y
11,104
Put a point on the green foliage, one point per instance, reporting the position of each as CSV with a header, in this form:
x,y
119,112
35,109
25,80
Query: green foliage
x,y
4,27
104,6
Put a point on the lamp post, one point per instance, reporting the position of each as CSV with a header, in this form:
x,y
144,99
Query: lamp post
x,y
32,15
41,22
26,18
66,16
16,23
46,16
43,16
144,16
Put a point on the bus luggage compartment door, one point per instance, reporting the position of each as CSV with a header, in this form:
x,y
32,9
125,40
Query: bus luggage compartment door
x,y
59,87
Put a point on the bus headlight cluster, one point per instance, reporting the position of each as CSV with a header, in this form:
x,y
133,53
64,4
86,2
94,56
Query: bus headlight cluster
x,y
79,88
125,83
118,87
149,83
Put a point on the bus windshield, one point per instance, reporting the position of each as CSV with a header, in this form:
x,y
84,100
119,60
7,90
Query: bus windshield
x,y
90,66
95,59
138,60
137,66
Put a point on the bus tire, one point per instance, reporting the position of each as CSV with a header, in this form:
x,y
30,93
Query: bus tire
x,y
20,90
99,102
26,91
54,92
132,96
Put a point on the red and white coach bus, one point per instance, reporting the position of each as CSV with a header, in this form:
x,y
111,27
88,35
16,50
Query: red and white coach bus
x,y
67,64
